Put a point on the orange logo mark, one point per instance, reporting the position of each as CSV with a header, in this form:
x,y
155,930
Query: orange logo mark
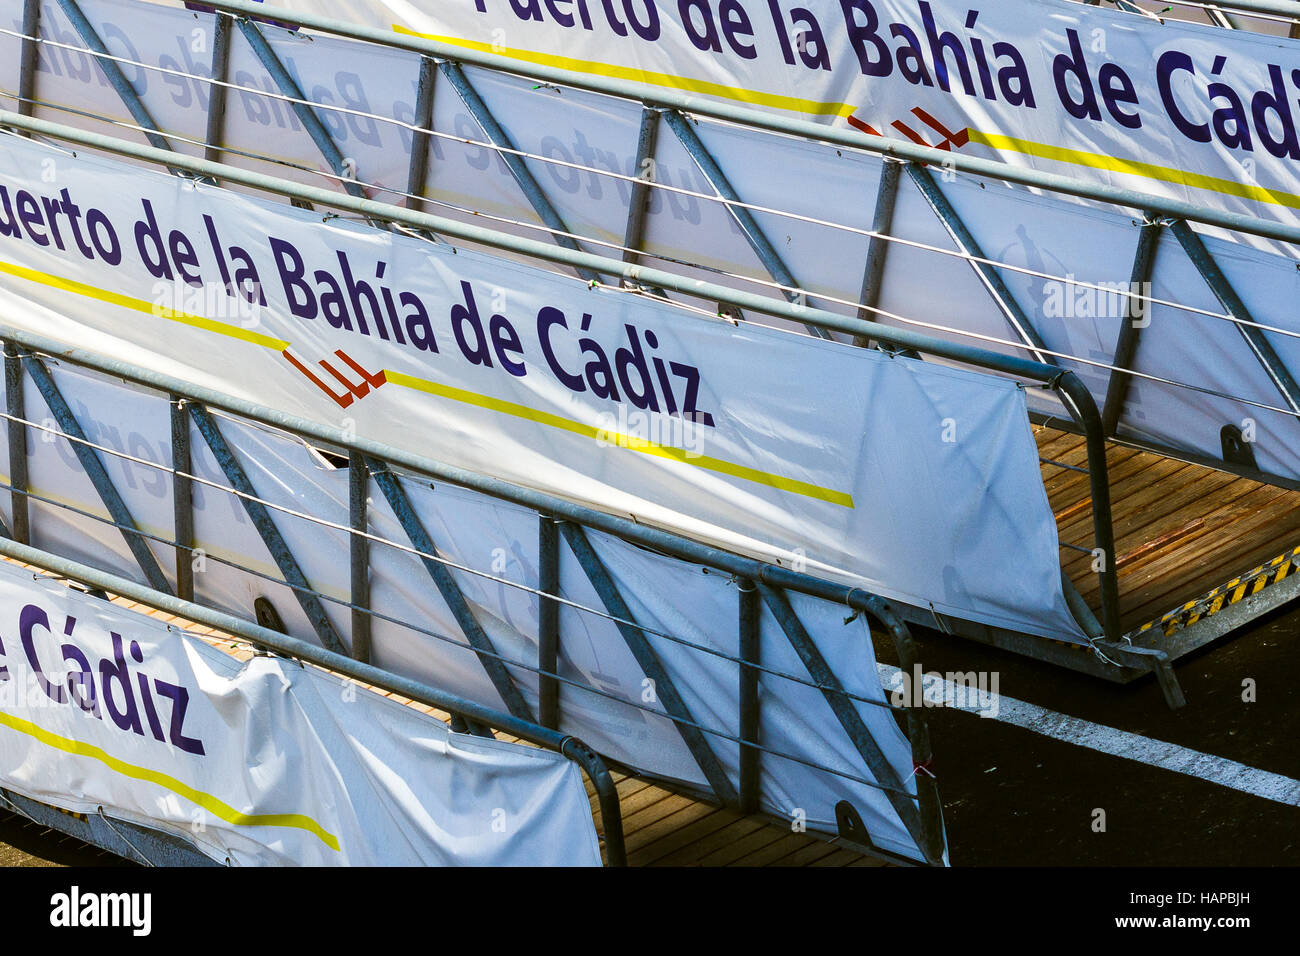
x,y
354,390
950,139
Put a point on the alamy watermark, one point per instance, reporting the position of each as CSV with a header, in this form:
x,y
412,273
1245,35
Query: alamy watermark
x,y
1070,298
974,691
638,430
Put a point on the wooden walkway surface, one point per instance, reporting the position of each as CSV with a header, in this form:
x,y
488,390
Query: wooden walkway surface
x,y
662,828
1180,529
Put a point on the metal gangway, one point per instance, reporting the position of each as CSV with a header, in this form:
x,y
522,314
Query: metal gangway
x,y
1173,573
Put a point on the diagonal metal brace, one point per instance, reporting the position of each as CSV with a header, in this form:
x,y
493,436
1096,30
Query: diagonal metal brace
x,y
305,112
514,162
1258,342
845,711
989,276
749,226
116,78
450,590
96,472
271,537
650,664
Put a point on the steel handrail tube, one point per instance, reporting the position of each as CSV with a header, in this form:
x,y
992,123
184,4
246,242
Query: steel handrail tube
x,y
1079,401
1074,394
536,249
1281,8
567,745
918,732
774,122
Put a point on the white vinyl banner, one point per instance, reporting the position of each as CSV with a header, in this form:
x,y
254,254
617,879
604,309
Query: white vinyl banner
x,y
1176,109
909,479
1076,259
263,762
689,614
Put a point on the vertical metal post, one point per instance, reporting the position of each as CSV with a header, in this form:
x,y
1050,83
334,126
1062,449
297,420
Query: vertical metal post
x,y
418,171
29,58
744,218
932,840
548,621
359,555
1079,402
1138,311
638,206
750,654
217,92
15,405
878,247
182,499
989,276
611,810
514,162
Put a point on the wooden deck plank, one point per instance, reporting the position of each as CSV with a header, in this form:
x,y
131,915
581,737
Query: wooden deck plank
x,y
768,855
806,855
673,837
1075,522
1180,529
838,858
692,813
1210,561
739,849
695,850
636,821
1068,485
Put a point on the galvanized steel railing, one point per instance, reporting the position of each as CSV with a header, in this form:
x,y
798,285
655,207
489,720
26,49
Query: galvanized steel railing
x,y
669,106
558,519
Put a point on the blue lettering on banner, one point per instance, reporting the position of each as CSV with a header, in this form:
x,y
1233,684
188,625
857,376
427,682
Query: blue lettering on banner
x,y
115,689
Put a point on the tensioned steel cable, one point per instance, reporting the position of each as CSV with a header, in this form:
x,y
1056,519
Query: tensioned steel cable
x,y
521,665
1234,10
1105,288
1009,343
377,539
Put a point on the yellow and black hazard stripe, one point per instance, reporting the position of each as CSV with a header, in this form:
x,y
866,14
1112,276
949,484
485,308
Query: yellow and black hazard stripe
x,y
1226,595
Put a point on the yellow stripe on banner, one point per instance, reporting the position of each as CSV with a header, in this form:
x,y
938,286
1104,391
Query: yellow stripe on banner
x,y
1133,167
621,441
794,104
207,801
140,305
